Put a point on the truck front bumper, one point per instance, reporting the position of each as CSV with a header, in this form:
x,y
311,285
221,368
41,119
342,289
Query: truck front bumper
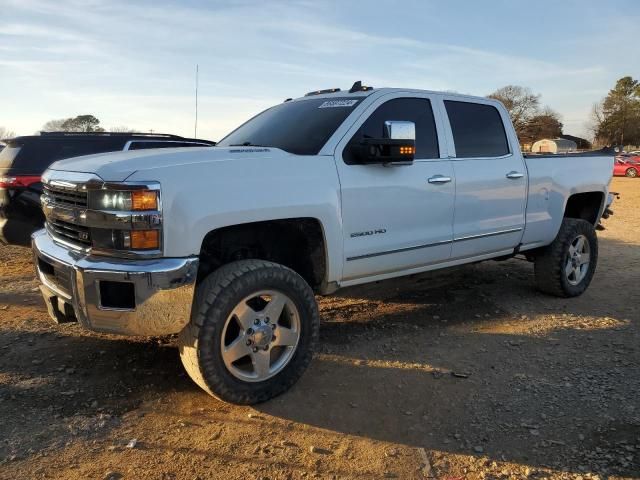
x,y
128,297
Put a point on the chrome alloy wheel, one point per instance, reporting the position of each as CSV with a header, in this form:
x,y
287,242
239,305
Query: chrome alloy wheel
x,y
578,258
260,336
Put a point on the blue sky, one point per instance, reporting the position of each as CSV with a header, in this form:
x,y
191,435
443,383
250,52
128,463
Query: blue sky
x,y
133,62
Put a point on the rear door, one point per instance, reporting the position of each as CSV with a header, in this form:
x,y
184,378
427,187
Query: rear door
x,y
491,179
394,217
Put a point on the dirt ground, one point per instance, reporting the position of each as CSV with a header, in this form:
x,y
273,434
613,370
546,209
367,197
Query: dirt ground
x,y
465,374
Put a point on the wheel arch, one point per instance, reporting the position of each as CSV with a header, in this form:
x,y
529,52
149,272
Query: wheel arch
x,y
298,243
586,206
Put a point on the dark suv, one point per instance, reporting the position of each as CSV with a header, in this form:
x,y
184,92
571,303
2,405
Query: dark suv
x,y
24,159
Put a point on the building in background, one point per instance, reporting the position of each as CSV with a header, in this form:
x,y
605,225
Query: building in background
x,y
583,143
554,145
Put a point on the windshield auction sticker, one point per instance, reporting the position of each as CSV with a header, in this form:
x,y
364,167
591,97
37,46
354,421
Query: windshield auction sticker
x,y
338,103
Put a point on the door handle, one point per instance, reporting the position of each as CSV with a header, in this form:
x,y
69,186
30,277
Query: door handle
x,y
513,174
439,179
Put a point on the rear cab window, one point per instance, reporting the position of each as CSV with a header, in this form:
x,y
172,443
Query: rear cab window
x,y
478,130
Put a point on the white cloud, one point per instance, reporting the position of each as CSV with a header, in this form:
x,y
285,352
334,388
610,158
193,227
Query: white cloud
x,y
133,63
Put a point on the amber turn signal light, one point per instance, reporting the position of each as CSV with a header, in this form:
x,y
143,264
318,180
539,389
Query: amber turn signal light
x,y
407,150
145,239
144,200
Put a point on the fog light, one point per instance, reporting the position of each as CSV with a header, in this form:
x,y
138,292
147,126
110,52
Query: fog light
x,y
145,239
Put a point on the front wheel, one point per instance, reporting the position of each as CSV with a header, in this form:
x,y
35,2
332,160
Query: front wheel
x,y
565,268
631,172
253,328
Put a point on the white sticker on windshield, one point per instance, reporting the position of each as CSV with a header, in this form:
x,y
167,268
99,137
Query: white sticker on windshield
x,y
338,103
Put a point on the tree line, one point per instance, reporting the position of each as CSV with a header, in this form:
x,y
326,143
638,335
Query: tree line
x,y
81,123
615,120
531,120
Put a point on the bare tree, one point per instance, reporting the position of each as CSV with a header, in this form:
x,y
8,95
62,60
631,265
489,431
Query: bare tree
x,y
596,118
521,103
54,125
5,133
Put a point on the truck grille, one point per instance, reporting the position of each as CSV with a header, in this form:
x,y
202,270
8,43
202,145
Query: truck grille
x,y
75,234
66,197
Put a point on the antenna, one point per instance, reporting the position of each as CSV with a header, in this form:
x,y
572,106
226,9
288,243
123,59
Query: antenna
x,y
195,128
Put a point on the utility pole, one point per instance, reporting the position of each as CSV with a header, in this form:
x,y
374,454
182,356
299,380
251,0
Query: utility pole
x,y
195,129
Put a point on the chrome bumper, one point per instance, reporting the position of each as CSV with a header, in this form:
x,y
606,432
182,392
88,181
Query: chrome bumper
x,y
72,285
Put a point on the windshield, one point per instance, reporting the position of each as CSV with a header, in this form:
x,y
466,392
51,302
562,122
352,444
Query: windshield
x,y
300,127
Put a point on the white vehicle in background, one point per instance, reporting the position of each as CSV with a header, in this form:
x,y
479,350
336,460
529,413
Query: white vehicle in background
x,y
226,246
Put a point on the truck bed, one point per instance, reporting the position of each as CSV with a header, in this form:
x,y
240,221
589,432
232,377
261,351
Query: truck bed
x,y
553,178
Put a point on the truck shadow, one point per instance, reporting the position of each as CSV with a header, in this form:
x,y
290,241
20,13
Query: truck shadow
x,y
476,360
557,393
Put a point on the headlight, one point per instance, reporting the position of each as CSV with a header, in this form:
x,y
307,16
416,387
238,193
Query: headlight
x,y
122,200
123,219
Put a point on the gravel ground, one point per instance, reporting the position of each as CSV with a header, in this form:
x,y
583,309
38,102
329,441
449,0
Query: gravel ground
x,y
464,374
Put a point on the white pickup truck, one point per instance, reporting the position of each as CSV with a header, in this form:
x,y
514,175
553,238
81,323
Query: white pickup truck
x,y
227,245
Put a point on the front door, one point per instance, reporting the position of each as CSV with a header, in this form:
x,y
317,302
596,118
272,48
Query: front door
x,y
397,217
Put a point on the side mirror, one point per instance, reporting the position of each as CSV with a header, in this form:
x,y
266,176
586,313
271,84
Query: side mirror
x,y
398,146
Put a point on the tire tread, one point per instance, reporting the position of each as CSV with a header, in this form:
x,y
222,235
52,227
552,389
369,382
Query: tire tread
x,y
548,266
205,306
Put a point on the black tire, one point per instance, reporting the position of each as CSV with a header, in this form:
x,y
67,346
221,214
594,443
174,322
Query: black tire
x,y
215,298
550,263
631,172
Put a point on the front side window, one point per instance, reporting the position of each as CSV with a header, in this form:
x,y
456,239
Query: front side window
x,y
416,110
477,130
301,127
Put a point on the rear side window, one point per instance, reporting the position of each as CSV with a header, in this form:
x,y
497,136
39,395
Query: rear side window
x,y
477,130
36,154
150,144
416,110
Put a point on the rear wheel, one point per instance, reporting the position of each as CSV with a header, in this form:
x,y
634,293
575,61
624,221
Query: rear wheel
x,y
565,268
252,332
631,172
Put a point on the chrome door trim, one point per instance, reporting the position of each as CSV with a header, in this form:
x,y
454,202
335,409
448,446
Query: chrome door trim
x,y
398,250
490,234
435,244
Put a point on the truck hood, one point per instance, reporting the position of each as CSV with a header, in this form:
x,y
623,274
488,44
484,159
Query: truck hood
x,y
118,166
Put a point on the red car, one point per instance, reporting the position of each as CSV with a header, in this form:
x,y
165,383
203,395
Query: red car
x,y
627,166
